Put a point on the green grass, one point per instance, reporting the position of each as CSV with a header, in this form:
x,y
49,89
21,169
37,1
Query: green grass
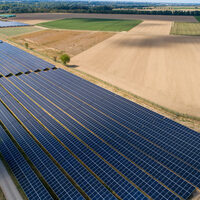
x,y
184,28
198,18
92,24
17,30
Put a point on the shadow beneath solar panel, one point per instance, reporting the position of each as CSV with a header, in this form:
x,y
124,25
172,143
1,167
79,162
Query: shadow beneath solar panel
x,y
28,72
72,66
9,75
18,74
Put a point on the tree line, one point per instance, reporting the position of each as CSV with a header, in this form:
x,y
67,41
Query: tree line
x,y
86,7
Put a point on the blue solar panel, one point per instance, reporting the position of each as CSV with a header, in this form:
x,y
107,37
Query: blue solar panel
x,y
82,177
72,106
56,180
146,186
77,89
14,60
108,175
4,24
135,142
166,138
28,181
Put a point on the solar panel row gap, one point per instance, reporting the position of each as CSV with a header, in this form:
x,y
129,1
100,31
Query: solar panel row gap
x,y
46,88
118,188
82,140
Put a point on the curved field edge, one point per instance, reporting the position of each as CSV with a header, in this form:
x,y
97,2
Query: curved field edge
x,y
92,24
190,121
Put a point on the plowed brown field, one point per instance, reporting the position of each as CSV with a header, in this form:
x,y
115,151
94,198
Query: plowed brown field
x,y
149,62
54,42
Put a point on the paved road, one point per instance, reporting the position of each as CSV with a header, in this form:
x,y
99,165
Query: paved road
x,y
8,187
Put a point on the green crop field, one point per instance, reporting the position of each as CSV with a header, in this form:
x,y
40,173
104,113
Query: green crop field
x,y
17,30
92,24
180,28
198,18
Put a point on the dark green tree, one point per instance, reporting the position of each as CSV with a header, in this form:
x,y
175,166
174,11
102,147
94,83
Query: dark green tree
x,y
65,59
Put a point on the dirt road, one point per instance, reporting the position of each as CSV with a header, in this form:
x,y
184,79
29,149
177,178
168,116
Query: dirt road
x,y
8,187
150,63
34,18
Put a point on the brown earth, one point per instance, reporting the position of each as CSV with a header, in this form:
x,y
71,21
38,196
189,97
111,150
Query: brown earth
x,y
54,42
150,63
34,18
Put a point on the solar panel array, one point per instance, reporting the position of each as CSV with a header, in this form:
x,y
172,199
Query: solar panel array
x,y
14,61
6,24
85,142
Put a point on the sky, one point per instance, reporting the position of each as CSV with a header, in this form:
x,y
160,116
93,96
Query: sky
x,y
163,1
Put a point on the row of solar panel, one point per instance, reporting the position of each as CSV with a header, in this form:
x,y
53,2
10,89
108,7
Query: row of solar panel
x,y
104,135
14,60
102,132
161,126
111,178
4,24
30,183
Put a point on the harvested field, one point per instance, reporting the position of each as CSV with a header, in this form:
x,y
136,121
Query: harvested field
x,y
54,42
150,63
35,18
92,24
180,28
14,31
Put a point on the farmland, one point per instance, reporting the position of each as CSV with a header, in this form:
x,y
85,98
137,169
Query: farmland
x,y
35,18
181,28
14,31
150,63
53,43
64,137
56,131
92,24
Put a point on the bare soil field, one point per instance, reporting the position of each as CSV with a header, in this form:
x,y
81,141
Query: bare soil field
x,y
150,63
35,18
54,42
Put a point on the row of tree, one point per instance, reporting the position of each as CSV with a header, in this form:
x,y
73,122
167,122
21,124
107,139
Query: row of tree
x,y
85,7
